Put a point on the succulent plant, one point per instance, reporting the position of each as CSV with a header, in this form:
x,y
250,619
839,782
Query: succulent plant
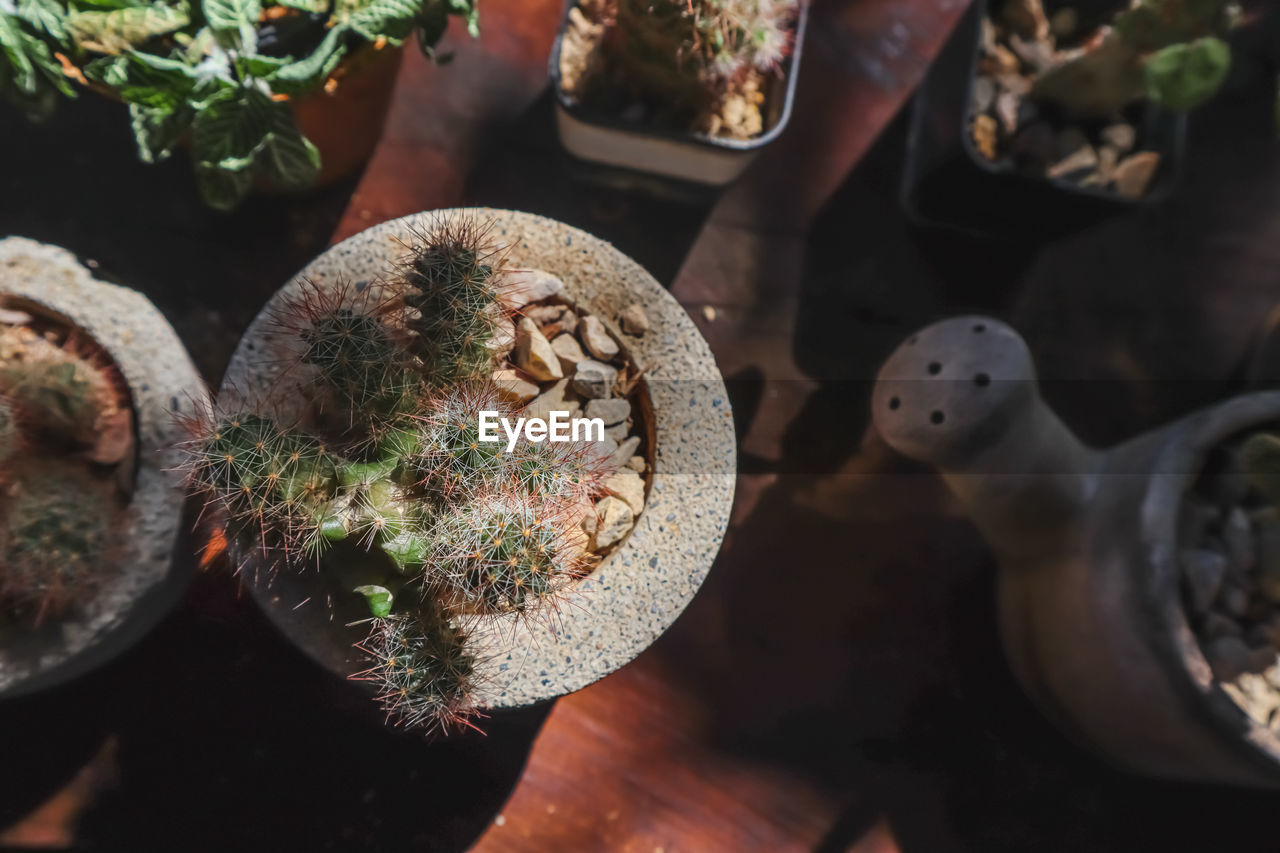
x,y
1170,51
686,58
219,73
382,388
57,390
53,541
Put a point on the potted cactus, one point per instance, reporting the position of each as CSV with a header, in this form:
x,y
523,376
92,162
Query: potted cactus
x,y
284,95
355,467
1078,107
90,378
690,90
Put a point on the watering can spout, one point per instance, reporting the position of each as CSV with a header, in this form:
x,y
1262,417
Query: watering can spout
x,y
962,395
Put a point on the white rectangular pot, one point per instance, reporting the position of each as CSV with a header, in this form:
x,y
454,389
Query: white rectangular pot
x,y
695,157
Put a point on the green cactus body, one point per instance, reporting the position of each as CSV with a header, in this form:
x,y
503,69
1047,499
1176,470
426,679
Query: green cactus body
x,y
423,668
55,535
58,391
406,492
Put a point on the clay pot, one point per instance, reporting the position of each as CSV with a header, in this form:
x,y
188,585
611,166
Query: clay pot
x,y
1090,609
346,124
154,560
629,600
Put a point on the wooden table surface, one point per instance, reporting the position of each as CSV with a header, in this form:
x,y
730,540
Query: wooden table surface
x,y
838,682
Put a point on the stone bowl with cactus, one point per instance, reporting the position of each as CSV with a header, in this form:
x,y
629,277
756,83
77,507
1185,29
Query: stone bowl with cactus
x,y
91,377
710,80
222,77
344,469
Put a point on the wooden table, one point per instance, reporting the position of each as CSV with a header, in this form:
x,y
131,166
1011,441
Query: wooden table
x,y
838,682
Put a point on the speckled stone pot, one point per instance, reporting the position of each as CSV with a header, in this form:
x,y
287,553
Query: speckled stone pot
x,y
163,383
1091,614
631,598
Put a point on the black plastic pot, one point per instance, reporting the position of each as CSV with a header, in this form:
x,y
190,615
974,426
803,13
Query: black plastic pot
x,y
947,183
608,140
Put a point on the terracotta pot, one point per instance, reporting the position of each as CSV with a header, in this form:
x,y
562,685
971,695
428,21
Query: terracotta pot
x,y
1090,605
346,124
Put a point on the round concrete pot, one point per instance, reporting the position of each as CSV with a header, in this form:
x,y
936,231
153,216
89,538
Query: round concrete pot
x,y
640,589
1091,612
163,383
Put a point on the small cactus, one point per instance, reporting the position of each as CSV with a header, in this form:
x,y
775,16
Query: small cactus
x,y
59,390
689,54
389,382
1170,51
54,542
423,669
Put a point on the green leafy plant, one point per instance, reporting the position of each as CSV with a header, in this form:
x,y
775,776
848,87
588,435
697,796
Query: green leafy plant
x,y
1170,51
217,73
385,461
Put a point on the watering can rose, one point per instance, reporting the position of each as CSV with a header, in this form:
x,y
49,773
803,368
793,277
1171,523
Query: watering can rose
x,y
559,428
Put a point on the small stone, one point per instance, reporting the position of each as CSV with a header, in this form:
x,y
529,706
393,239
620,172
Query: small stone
x,y
550,400
1007,107
1037,54
1203,572
545,315
633,320
1255,696
1216,625
709,313
1064,22
1108,156
503,340
1234,600
617,432
512,387
1134,174
616,519
597,339
984,136
1081,160
611,411
568,321
1121,136
997,61
1267,539
520,287
567,351
594,380
534,354
1237,535
984,94
1228,657
623,453
637,464
1194,520
627,485
1026,18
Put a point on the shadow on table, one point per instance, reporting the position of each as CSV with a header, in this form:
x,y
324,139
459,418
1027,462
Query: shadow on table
x,y
848,633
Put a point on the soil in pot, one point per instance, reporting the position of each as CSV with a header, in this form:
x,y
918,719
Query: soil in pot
x,y
698,67
367,457
67,458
